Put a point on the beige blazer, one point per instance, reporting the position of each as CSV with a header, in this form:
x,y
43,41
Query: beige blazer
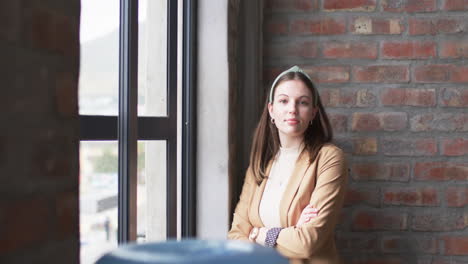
x,y
320,183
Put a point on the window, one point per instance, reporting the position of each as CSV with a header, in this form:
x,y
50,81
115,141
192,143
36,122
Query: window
x,y
136,133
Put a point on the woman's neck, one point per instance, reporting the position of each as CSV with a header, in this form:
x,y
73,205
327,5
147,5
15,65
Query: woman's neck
x,y
291,142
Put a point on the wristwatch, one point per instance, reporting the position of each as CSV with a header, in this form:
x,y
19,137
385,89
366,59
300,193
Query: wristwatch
x,y
253,234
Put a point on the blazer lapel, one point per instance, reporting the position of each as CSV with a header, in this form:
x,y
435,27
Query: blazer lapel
x,y
302,164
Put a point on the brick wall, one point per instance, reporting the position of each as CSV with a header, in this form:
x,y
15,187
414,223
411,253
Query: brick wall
x,y
393,75
39,51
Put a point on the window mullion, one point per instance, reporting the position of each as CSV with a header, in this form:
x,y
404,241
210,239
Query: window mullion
x,y
171,208
127,120
188,119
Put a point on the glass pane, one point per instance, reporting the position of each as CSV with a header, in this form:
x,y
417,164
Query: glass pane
x,y
99,59
98,198
152,58
151,191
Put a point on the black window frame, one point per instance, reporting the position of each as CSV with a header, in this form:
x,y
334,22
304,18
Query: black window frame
x,y
127,128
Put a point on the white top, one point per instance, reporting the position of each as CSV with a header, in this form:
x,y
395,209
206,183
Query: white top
x,y
280,172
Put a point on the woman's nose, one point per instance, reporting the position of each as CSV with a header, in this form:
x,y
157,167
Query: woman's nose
x,y
292,107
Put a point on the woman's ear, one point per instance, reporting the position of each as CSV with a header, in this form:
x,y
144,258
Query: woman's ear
x,y
270,109
314,112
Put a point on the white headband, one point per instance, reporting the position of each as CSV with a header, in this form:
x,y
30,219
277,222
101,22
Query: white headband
x,y
293,69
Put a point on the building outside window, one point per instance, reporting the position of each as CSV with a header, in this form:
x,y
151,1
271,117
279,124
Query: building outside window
x,y
130,184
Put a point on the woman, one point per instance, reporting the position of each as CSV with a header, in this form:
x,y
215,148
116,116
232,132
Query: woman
x,y
295,184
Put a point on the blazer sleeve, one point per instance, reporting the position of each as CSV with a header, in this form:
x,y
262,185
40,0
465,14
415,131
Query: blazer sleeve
x,y
241,225
327,197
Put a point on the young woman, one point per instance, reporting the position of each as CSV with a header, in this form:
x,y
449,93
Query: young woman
x,y
295,184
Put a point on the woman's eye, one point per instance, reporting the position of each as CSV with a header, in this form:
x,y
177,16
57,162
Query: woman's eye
x,y
304,103
283,101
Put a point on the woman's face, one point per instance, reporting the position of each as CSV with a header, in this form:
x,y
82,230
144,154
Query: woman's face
x,y
292,108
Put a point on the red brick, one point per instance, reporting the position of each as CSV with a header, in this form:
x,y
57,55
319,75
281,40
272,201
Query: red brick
x,y
365,122
454,49
320,74
366,220
453,122
338,97
319,26
17,229
373,25
387,121
66,95
365,146
381,74
359,195
459,74
455,5
409,147
292,49
328,74
454,97
362,242
408,49
432,73
349,5
339,122
66,215
366,98
454,147
411,196
393,121
348,98
276,26
438,221
291,5
440,171
455,245
402,244
427,26
409,5
356,50
379,171
411,97
456,196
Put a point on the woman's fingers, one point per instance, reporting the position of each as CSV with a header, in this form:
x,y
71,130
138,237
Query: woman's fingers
x,y
309,211
310,216
307,214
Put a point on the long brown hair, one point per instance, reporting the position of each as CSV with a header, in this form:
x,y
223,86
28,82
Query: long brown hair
x,y
266,142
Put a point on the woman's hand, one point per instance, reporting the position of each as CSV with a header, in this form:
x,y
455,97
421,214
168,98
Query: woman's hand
x,y
261,236
253,234
307,214
258,235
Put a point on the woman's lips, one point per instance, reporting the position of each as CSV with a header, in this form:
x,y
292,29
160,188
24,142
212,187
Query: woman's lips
x,y
292,121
